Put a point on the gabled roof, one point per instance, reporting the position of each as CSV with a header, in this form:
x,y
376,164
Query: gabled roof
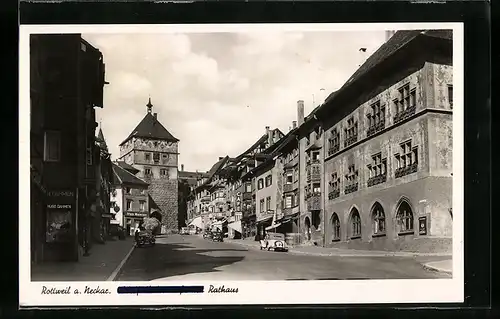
x,y
151,128
122,176
127,167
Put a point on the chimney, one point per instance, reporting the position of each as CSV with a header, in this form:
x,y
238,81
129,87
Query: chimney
x,y
182,167
300,112
294,124
155,115
269,136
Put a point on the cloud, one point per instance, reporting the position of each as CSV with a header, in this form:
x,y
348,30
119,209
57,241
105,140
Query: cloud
x,y
217,91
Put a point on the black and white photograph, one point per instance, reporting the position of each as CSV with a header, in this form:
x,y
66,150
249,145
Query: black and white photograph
x,y
231,156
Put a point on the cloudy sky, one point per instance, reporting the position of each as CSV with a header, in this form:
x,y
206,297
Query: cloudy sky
x,y
216,92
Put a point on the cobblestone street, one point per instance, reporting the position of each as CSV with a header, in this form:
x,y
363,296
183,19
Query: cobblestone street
x,y
190,257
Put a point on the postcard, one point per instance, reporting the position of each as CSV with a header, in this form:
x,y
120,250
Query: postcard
x,y
241,164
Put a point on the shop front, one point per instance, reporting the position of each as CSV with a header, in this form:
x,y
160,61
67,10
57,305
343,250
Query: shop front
x,y
133,220
60,226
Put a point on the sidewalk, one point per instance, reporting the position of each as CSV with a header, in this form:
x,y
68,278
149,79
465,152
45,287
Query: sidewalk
x,y
445,266
323,251
102,264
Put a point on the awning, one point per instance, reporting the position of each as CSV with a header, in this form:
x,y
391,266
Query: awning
x,y
264,219
273,226
197,222
236,226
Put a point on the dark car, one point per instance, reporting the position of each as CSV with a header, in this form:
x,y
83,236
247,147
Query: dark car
x,y
145,238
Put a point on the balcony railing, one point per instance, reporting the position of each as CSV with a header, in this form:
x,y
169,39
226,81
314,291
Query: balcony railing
x,y
334,149
375,128
351,188
334,193
351,140
401,116
375,180
403,171
314,201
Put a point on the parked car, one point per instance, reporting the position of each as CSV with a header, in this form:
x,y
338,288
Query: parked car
x,y
184,231
274,241
193,231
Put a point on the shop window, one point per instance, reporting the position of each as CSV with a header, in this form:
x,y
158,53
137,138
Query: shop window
x,y
378,220
52,146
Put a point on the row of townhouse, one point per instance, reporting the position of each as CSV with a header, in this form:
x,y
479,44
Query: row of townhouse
x,y
370,168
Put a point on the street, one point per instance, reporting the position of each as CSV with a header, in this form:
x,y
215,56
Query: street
x,y
191,257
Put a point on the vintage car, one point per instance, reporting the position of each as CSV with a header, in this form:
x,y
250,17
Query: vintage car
x,y
274,241
184,231
145,238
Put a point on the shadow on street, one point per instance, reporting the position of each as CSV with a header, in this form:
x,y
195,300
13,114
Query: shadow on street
x,y
173,259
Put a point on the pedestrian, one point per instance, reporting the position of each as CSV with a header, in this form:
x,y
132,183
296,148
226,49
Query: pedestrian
x,y
136,235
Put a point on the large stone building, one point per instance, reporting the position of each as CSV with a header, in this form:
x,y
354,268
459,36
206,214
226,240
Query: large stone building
x,y
152,150
371,167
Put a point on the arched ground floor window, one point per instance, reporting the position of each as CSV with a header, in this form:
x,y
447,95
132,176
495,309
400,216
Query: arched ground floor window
x,y
378,220
404,218
355,224
335,227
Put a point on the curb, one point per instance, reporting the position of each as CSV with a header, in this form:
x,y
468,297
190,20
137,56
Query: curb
x,y
115,273
436,269
295,252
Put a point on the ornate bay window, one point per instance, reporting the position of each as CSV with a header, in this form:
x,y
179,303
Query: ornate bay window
x,y
405,104
406,160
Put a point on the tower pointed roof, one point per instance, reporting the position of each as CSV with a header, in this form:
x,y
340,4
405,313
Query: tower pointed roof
x,y
101,140
151,128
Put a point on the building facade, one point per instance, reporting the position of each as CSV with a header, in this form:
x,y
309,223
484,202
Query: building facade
x,y
67,80
154,152
131,195
388,163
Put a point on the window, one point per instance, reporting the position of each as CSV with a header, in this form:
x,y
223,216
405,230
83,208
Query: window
x,y
378,220
142,205
407,160
248,187
351,132
269,180
128,190
351,179
129,204
406,99
316,188
260,184
288,201
268,203
334,142
355,224
334,184
164,158
147,171
315,157
405,218
52,146
335,227
163,172
147,157
450,95
376,119
156,158
377,168
262,205
289,178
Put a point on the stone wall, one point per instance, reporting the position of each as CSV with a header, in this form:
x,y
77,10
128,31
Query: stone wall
x,y
165,194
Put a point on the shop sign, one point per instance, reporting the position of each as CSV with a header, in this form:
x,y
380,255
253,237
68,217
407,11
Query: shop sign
x,y
136,214
60,199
